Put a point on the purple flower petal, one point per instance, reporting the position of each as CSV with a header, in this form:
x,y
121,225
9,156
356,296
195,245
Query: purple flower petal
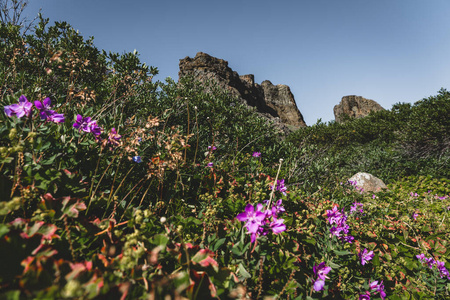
x,y
319,285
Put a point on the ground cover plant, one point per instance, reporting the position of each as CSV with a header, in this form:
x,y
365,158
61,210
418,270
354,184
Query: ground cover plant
x,y
100,199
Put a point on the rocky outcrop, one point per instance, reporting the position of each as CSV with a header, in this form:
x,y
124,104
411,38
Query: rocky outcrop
x,y
354,107
275,102
367,182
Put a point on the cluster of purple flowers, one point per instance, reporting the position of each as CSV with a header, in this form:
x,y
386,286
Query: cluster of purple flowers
x,y
431,262
355,184
374,286
340,228
260,221
256,154
357,207
320,271
25,107
281,187
365,256
87,125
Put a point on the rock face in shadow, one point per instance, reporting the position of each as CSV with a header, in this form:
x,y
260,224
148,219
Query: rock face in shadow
x,y
354,107
275,102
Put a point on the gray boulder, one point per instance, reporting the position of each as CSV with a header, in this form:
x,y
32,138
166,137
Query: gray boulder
x,y
367,182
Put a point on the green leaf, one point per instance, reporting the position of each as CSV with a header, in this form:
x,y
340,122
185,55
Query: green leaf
x,y
3,230
218,244
333,265
12,295
160,240
342,252
243,272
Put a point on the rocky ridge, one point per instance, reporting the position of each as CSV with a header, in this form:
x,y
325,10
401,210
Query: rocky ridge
x,y
354,107
275,102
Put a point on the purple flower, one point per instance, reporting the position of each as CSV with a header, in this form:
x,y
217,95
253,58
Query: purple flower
x,y
210,165
260,222
348,238
380,289
421,257
430,262
321,270
57,118
114,137
253,219
365,256
277,225
365,296
212,148
354,183
373,285
334,215
44,108
355,206
94,128
256,154
137,159
280,187
46,113
319,285
374,196
443,272
415,215
82,123
278,208
341,228
23,108
87,125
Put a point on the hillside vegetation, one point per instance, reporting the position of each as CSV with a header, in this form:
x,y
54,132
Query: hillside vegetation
x,y
117,186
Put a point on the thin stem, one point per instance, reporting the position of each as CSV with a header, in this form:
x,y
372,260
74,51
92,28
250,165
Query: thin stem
x,y
275,184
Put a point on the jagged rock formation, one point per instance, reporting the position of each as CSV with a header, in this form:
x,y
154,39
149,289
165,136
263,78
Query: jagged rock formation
x,y
354,107
275,102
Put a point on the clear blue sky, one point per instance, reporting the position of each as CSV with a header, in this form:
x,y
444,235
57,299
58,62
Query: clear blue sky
x,y
386,50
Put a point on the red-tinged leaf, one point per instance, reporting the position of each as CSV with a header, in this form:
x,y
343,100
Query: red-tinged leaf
x,y
204,257
77,268
440,248
103,259
18,222
30,231
48,232
26,263
201,286
123,288
94,285
425,244
371,234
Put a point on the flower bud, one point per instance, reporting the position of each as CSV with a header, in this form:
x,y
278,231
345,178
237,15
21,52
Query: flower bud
x,y
12,133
